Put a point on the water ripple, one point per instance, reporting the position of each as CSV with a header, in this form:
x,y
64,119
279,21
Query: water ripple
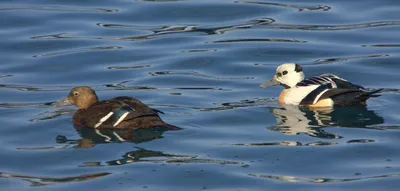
x,y
258,102
44,181
6,76
143,155
211,30
127,67
196,74
333,27
60,9
299,8
319,180
24,105
34,88
345,58
286,143
382,45
157,1
81,50
200,50
52,36
170,29
361,141
260,40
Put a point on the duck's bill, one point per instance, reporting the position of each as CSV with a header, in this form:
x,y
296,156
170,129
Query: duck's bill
x,y
271,82
62,102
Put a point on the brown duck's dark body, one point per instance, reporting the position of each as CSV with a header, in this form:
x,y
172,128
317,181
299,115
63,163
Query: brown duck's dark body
x,y
142,116
139,122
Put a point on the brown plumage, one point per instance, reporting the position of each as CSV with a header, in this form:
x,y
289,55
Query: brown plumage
x,y
116,113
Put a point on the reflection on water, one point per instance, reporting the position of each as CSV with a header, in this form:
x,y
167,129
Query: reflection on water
x,y
43,181
92,137
294,120
143,155
287,143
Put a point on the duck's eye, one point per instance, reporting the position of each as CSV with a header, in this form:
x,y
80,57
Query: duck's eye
x,y
76,93
284,72
278,74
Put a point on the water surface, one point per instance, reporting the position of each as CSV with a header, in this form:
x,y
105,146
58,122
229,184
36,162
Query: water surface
x,y
201,62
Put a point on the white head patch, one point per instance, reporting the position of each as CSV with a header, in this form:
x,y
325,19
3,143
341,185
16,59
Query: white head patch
x,y
289,74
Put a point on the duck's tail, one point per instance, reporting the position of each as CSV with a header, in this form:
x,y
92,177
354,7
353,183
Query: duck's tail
x,y
368,94
354,97
157,122
170,127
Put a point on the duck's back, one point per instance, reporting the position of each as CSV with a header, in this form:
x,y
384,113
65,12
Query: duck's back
x,y
118,112
329,89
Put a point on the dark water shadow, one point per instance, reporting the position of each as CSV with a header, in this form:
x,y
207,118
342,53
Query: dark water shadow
x,y
92,137
294,120
382,45
44,181
142,155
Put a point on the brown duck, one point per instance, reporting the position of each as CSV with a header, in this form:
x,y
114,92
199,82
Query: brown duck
x,y
116,113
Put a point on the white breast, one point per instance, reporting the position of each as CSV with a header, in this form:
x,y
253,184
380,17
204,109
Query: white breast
x,y
294,95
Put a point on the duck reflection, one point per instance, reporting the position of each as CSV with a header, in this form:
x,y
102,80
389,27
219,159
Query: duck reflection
x,y
141,155
295,120
92,137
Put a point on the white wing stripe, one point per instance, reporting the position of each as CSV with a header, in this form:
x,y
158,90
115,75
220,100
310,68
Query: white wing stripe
x,y
104,119
121,119
320,80
318,96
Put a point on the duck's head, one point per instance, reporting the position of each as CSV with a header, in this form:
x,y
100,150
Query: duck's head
x,y
82,97
287,75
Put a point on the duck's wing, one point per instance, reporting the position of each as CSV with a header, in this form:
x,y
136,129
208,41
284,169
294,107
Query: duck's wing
x,y
345,97
110,113
341,91
315,95
336,82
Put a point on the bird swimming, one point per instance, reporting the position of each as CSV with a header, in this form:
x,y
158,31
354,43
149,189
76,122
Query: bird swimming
x,y
325,90
117,113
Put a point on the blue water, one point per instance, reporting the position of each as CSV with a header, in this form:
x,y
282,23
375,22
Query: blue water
x,y
201,62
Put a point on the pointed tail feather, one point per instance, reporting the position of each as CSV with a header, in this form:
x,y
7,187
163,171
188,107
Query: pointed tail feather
x,y
166,126
363,97
171,127
158,123
349,97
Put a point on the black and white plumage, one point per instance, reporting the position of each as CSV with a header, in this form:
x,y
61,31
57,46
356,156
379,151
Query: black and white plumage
x,y
321,91
332,79
335,88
